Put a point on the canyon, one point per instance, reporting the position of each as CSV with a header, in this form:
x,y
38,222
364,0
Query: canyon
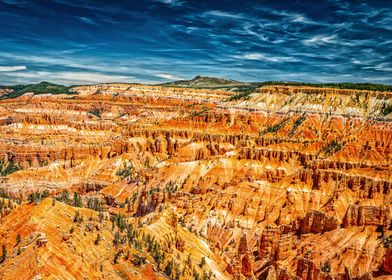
x,y
132,181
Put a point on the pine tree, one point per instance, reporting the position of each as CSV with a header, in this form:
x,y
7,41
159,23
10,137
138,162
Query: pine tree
x,y
4,253
96,242
202,262
77,201
116,240
76,217
189,260
168,268
116,256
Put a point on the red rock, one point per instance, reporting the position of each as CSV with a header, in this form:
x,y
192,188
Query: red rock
x,y
387,265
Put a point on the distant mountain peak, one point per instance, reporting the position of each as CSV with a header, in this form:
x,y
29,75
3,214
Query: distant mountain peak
x,y
204,82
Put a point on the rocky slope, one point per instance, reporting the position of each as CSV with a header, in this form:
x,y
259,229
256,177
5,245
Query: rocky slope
x,y
283,183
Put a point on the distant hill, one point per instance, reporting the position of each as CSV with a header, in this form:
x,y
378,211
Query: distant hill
x,y
205,82
247,87
242,88
40,88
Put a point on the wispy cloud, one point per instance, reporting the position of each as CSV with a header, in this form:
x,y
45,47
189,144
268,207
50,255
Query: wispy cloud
x,y
321,40
49,60
69,78
223,14
87,20
302,19
295,17
248,30
380,67
266,57
12,68
169,76
172,3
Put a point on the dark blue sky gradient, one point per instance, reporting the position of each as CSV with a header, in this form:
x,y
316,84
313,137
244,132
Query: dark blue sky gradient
x,y
80,42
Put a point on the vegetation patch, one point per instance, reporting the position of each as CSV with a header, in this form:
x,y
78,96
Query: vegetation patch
x,y
8,168
40,88
96,112
126,170
199,113
357,86
386,110
326,267
332,147
274,128
297,123
242,95
387,242
36,197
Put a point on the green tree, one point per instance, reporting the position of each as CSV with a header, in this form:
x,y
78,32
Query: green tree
x,y
100,216
116,240
138,260
4,253
116,256
202,262
168,268
76,218
189,260
77,201
96,242
326,268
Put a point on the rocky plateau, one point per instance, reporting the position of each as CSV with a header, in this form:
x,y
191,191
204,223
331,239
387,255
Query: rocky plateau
x,y
130,181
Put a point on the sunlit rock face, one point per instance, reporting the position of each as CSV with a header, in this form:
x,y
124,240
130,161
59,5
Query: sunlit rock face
x,y
287,183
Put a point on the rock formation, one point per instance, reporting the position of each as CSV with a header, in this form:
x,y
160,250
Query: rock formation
x,y
126,181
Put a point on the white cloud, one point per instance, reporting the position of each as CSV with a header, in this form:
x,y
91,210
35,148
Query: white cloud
x,y
173,3
355,61
247,30
320,40
50,60
12,68
266,57
68,78
385,66
295,17
168,76
87,20
223,14
302,19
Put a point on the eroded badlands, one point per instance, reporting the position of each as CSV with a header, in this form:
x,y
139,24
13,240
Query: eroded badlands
x,y
120,181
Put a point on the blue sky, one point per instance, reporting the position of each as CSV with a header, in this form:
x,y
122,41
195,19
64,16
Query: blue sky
x,y
82,42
